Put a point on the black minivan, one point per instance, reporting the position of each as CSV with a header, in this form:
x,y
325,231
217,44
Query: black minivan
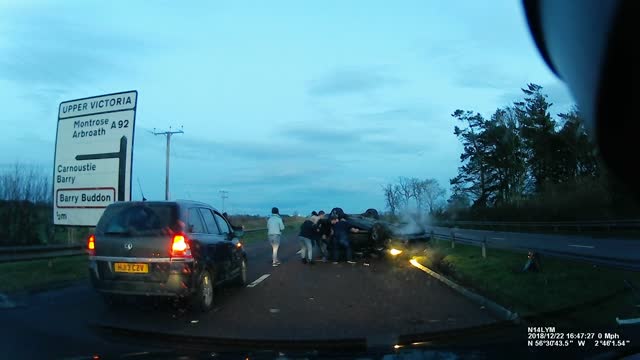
x,y
165,248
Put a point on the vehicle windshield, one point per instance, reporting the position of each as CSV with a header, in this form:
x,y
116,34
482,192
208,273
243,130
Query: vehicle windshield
x,y
328,176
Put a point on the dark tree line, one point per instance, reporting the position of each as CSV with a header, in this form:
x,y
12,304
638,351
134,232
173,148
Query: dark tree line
x,y
25,205
524,164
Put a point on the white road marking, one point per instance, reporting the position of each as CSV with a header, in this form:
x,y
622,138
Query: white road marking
x,y
497,238
259,280
583,246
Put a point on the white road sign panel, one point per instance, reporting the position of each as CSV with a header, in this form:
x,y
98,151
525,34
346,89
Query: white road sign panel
x,y
94,147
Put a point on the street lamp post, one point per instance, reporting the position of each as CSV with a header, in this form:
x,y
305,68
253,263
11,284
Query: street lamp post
x,y
168,135
224,194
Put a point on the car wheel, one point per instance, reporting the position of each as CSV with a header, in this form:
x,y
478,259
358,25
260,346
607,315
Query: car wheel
x,y
379,234
337,212
372,213
241,280
202,299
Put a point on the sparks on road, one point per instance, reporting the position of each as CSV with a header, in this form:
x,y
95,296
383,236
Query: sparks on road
x,y
415,263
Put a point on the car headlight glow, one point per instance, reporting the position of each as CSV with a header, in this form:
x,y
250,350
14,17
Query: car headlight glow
x,y
395,252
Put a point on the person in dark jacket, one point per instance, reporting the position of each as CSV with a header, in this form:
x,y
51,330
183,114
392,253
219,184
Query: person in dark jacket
x,y
323,235
306,234
314,219
341,230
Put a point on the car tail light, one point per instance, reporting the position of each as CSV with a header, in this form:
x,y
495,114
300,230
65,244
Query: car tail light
x,y
180,247
91,245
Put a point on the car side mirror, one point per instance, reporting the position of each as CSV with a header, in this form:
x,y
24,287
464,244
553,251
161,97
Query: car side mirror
x,y
591,54
238,233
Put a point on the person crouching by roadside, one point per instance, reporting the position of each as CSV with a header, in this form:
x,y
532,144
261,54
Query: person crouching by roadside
x,y
341,229
274,231
305,236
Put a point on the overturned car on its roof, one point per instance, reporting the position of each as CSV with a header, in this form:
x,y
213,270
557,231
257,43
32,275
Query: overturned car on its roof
x,y
377,235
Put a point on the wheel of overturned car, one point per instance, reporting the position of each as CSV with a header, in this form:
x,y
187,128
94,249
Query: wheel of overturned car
x,y
337,212
372,213
379,235
202,298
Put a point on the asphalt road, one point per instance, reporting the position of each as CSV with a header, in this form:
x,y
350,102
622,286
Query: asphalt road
x,y
377,304
611,250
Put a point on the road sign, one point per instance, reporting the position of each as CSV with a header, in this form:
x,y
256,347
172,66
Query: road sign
x,y
94,146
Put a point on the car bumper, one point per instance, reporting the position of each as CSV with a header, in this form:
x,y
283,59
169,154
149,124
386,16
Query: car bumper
x,y
410,238
177,282
410,244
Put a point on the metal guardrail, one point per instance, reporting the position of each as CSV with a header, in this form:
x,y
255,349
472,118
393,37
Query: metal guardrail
x,y
555,225
254,230
37,252
265,229
22,253
36,249
484,245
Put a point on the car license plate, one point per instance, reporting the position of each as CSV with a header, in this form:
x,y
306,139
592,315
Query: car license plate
x,y
133,268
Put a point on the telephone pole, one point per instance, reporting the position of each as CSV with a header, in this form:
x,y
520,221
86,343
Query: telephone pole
x,y
168,135
224,194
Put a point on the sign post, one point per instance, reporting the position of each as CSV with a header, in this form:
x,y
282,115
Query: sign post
x,y
93,156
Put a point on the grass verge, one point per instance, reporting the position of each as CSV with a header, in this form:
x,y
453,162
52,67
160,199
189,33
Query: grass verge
x,y
573,290
291,228
38,274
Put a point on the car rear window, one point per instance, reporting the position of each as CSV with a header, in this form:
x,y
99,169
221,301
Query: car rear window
x,y
138,219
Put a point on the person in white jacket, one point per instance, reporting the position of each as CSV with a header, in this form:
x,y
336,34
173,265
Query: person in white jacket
x,y
274,231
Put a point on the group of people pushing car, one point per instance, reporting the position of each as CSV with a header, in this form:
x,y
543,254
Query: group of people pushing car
x,y
329,234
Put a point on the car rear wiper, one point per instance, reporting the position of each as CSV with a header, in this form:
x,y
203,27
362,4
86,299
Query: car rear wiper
x,y
126,232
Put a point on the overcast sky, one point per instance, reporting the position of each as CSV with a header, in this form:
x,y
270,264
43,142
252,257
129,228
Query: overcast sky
x,y
297,104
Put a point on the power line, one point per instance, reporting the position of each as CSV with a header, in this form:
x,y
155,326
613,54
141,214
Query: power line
x,y
168,134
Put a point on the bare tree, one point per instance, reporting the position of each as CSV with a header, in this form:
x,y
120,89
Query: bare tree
x,y
23,182
417,189
404,190
25,195
391,198
432,194
426,193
